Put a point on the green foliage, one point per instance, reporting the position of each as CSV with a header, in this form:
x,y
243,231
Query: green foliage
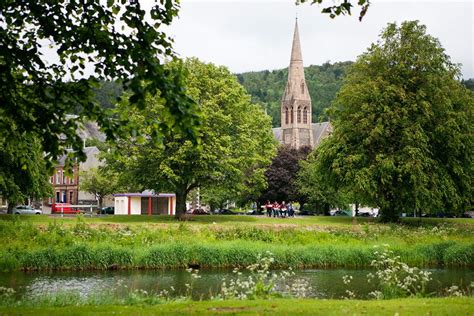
x,y
402,128
23,171
79,245
267,88
469,83
236,142
86,45
100,182
340,8
322,197
281,175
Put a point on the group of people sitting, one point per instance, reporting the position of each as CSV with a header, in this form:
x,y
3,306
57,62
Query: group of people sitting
x,y
276,209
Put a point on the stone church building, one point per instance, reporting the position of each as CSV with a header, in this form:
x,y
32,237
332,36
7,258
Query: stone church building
x,y
297,129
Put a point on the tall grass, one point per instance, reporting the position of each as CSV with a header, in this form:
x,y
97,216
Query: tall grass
x,y
81,245
228,254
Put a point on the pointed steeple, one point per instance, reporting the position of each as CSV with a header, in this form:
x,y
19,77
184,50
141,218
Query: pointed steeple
x,y
296,102
296,86
296,48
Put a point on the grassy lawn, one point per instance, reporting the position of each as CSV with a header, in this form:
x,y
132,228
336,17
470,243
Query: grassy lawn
x,y
412,306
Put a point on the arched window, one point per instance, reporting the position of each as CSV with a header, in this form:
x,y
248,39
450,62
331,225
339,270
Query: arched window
x,y
305,115
291,115
302,87
286,115
298,115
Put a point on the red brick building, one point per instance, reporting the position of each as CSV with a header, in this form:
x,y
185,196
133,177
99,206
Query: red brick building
x,y
65,188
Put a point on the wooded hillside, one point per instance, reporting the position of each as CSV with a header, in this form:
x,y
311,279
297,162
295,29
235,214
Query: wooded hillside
x,y
267,87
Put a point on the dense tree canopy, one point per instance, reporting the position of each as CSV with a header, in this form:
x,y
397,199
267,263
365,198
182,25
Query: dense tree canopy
x,y
281,175
267,88
52,55
23,173
402,128
236,140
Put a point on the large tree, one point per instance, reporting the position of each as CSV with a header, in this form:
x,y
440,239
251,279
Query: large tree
x,y
281,175
236,141
54,53
403,132
23,173
321,195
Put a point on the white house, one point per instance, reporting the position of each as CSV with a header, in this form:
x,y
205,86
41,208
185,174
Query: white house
x,y
145,203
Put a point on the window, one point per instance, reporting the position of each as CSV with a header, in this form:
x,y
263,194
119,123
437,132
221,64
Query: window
x,y
71,194
51,179
302,87
305,115
291,115
286,115
63,177
57,197
58,177
64,197
298,115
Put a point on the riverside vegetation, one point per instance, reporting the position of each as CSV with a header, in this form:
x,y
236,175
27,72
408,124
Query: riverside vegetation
x,y
42,243
396,280
242,242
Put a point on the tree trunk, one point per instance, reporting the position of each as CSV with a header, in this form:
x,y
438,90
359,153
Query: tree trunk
x,y
10,207
181,195
101,201
327,209
356,209
388,214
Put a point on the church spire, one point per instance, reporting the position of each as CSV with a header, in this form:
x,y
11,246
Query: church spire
x,y
296,48
296,86
296,102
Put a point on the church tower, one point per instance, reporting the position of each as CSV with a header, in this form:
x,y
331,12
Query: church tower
x,y
296,102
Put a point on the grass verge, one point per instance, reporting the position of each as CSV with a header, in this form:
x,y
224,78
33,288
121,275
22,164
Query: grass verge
x,y
407,306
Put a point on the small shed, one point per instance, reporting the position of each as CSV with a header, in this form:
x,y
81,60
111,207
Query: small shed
x,y
145,203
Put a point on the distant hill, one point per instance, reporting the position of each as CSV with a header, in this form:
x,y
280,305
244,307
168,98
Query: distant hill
x,y
267,87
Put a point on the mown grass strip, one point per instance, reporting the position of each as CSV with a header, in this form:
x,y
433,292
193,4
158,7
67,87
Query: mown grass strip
x,y
406,306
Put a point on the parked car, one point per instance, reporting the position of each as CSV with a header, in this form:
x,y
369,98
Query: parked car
x,y
108,210
63,208
224,211
364,214
25,209
340,213
198,211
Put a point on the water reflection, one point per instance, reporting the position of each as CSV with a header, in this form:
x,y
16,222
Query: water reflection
x,y
324,283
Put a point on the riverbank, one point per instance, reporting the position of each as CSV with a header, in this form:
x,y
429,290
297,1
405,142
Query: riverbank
x,y
141,242
407,306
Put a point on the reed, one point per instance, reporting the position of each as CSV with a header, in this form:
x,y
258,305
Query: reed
x,y
81,245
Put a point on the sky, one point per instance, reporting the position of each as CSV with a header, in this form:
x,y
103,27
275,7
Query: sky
x,y
254,35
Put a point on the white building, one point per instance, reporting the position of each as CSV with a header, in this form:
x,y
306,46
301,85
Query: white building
x,y
145,203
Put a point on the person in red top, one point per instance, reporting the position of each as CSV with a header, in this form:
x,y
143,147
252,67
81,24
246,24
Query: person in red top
x,y
276,209
269,207
284,209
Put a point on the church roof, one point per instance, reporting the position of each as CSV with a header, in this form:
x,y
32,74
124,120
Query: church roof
x,y
319,130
